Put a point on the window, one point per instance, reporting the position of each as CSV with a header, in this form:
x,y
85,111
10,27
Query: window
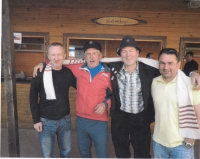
x,y
31,52
33,42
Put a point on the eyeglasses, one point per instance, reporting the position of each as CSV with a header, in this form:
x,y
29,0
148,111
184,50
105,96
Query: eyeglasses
x,y
169,51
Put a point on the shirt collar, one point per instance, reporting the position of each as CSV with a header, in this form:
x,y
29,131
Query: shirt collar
x,y
136,70
160,79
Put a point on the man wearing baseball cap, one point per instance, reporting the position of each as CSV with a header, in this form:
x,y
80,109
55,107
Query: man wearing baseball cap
x,y
93,100
132,109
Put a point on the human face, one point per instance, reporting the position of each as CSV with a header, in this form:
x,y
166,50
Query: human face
x,y
151,56
56,56
168,66
92,57
188,57
129,57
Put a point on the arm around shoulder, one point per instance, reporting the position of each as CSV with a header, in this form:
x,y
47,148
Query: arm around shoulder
x,y
196,102
197,112
195,77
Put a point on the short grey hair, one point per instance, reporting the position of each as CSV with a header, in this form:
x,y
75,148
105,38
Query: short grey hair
x,y
55,44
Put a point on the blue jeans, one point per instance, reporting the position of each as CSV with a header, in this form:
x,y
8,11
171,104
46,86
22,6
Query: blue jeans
x,y
89,131
61,128
179,152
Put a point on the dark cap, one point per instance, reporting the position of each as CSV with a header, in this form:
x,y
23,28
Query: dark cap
x,y
92,44
129,41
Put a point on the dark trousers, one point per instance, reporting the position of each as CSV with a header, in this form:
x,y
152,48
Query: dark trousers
x,y
131,128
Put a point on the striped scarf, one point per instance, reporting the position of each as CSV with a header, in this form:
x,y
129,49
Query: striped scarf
x,y
48,83
188,124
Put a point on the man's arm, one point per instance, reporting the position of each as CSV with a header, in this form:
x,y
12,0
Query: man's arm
x,y
40,66
197,112
34,106
73,80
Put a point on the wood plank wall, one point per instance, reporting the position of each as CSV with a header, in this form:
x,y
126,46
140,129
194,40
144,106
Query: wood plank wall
x,y
172,19
25,61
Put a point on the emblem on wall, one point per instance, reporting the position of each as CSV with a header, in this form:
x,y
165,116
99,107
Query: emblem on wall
x,y
117,21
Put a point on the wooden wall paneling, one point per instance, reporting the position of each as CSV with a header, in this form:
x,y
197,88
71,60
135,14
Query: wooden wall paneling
x,y
25,61
113,5
70,18
153,47
111,48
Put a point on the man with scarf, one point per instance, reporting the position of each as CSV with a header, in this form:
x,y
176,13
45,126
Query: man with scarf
x,y
177,110
49,103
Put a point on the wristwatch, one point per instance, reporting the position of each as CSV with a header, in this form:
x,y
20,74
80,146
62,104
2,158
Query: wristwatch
x,y
187,144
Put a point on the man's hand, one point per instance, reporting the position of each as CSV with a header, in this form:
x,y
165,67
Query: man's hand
x,y
40,67
100,108
38,127
195,77
74,60
189,140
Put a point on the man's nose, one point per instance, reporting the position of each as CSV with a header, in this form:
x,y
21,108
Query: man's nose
x,y
56,57
166,66
127,53
91,55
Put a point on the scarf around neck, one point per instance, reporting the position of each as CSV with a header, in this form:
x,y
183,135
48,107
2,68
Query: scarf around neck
x,y
188,125
48,83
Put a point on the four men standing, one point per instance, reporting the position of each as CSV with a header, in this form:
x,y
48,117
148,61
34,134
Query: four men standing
x,y
132,109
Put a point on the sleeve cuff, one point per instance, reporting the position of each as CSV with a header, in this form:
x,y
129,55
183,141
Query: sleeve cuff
x,y
106,104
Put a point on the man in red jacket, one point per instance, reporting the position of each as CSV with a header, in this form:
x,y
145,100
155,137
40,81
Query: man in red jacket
x,y
92,101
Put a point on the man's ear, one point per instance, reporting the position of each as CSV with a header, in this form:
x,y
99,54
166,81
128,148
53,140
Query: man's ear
x,y
138,53
179,64
101,55
48,56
